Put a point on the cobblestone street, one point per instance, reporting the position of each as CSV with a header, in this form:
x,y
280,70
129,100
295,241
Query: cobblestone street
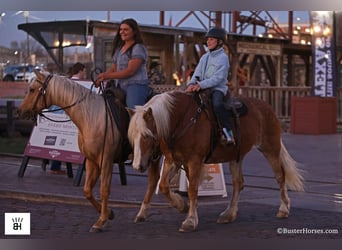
x,y
61,221
59,210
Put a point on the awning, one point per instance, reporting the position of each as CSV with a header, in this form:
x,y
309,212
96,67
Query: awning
x,y
61,34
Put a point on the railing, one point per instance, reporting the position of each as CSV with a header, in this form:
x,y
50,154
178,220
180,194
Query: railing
x,y
278,97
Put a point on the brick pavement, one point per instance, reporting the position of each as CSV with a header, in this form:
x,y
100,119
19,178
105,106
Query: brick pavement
x,y
64,221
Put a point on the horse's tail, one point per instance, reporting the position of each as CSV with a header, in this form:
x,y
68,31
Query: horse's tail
x,y
293,175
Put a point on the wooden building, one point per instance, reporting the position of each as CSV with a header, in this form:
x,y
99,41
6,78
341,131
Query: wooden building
x,y
173,47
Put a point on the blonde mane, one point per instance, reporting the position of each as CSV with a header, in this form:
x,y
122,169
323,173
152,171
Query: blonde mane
x,y
72,92
161,106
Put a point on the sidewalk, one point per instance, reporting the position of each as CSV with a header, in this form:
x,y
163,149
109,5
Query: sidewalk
x,y
319,205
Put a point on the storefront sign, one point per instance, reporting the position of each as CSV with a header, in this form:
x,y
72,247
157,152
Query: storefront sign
x,y
259,48
323,53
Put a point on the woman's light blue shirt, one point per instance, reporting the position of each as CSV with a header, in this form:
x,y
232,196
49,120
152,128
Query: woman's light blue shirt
x,y
121,61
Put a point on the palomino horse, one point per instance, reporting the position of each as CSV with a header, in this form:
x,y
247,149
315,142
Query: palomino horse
x,y
99,138
174,124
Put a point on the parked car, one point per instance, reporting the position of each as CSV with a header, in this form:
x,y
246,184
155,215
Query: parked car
x,y
27,76
11,71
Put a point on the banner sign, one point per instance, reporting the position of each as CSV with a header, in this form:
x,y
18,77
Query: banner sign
x,y
212,183
323,43
55,140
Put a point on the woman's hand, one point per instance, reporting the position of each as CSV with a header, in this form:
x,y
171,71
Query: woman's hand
x,y
100,78
193,88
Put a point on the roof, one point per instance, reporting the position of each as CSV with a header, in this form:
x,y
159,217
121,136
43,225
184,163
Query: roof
x,y
46,32
61,34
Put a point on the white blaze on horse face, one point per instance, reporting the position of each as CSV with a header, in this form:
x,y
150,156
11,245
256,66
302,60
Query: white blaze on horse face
x,y
137,153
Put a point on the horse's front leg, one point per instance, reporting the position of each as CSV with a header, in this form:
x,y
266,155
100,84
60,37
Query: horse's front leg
x,y
153,177
105,212
230,214
169,171
194,174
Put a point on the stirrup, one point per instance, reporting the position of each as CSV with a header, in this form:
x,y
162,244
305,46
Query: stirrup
x,y
229,136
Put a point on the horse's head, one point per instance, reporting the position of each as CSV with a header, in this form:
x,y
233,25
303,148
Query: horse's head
x,y
142,134
34,100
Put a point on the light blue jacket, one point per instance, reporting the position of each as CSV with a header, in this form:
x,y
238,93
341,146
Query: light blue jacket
x,y
212,71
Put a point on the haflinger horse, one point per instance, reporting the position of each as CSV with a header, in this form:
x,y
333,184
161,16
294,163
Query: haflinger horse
x,y
174,124
99,138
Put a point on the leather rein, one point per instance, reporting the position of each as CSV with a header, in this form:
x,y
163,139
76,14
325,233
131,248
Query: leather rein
x,y
42,93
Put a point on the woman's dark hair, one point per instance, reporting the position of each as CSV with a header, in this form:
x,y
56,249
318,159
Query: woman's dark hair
x,y
118,42
77,67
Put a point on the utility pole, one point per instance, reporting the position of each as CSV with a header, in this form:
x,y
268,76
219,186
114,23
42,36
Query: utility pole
x,y
26,15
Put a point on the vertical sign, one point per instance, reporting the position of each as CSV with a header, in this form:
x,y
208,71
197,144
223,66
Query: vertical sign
x,y
323,43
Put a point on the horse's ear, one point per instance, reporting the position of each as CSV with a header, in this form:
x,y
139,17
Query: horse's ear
x,y
148,114
39,75
130,111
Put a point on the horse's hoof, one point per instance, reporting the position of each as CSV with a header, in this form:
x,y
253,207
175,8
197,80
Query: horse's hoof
x,y
227,219
183,229
95,230
111,215
282,214
139,219
187,228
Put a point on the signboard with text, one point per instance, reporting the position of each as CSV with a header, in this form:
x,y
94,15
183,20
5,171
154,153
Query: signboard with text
x,y
212,181
323,53
259,48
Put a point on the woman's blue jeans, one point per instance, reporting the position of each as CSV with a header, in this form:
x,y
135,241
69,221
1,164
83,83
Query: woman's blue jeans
x,y
137,94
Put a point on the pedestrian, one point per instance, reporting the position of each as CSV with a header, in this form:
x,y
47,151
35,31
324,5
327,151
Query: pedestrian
x,y
129,64
155,74
76,72
211,73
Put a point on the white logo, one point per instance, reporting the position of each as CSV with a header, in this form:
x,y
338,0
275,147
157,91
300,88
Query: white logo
x,y
54,153
17,223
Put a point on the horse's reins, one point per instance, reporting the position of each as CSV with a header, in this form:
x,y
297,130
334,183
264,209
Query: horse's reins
x,y
93,77
193,120
42,93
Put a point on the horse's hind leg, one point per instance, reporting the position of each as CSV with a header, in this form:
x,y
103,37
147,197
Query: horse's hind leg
x,y
273,157
230,214
153,177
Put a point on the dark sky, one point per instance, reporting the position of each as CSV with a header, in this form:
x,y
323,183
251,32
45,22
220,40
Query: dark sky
x,y
11,19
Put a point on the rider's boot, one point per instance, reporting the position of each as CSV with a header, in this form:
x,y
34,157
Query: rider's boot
x,y
228,134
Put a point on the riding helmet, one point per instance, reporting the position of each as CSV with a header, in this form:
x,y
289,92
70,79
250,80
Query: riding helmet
x,y
218,33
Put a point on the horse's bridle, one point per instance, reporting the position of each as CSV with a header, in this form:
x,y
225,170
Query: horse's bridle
x,y
42,91
156,154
